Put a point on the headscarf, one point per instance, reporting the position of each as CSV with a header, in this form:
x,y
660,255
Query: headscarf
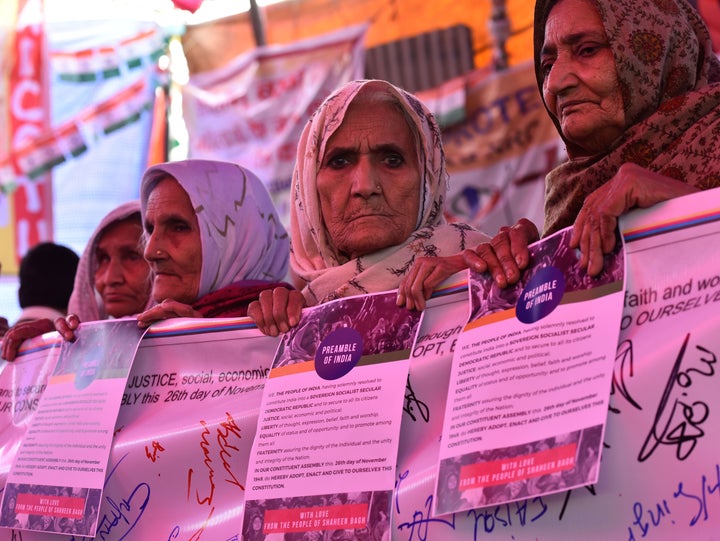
x,y
241,234
85,302
670,84
313,258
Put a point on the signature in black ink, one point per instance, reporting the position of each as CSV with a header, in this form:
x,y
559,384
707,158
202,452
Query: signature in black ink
x,y
125,513
411,401
623,370
589,488
677,421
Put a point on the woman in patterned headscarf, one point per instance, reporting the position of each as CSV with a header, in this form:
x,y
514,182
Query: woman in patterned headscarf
x,y
633,87
368,192
213,239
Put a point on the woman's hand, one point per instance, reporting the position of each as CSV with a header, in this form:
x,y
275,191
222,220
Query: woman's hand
x,y
277,310
167,309
506,255
631,187
425,274
20,332
66,326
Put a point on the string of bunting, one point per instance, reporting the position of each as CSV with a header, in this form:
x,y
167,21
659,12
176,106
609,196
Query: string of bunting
x,y
100,63
71,139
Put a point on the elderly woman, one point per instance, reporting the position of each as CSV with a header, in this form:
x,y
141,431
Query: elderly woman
x,y
112,279
634,90
368,192
213,239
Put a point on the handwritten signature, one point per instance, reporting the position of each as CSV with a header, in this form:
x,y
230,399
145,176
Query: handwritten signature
x,y
411,401
421,521
521,513
623,370
227,430
125,513
678,420
648,517
152,455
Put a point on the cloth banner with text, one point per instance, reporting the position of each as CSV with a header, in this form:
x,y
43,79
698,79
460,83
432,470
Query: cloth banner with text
x,y
184,433
499,154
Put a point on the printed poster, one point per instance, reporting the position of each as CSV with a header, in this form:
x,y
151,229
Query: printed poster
x,y
22,383
530,382
183,435
59,470
323,460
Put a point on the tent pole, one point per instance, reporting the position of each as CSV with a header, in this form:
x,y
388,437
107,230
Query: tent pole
x,y
499,26
258,29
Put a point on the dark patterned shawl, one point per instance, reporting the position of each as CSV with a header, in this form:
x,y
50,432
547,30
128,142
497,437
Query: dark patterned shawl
x,y
670,81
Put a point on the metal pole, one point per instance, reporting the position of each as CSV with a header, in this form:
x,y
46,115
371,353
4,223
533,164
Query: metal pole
x,y
258,29
499,26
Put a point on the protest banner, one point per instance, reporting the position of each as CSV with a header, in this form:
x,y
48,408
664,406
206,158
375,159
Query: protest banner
x,y
179,461
183,434
659,476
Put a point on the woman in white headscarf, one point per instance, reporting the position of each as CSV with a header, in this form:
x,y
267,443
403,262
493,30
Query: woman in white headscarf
x,y
368,192
213,238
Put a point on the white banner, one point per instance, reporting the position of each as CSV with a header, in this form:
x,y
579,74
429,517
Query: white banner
x,y
183,436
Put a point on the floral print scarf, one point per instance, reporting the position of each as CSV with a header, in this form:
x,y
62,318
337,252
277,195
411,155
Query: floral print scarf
x,y
670,83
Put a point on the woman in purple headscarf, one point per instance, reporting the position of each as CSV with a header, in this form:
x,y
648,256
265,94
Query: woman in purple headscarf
x,y
213,239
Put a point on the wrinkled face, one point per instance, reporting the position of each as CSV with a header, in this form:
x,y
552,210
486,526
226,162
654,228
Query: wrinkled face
x,y
368,181
173,246
122,276
580,85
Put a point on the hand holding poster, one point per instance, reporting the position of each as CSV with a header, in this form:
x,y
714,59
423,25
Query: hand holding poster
x,y
330,419
530,381
59,470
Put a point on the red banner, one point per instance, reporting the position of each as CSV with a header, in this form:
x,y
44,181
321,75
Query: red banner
x,y
28,118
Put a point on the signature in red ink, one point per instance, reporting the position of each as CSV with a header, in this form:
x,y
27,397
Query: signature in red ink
x,y
152,455
225,439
